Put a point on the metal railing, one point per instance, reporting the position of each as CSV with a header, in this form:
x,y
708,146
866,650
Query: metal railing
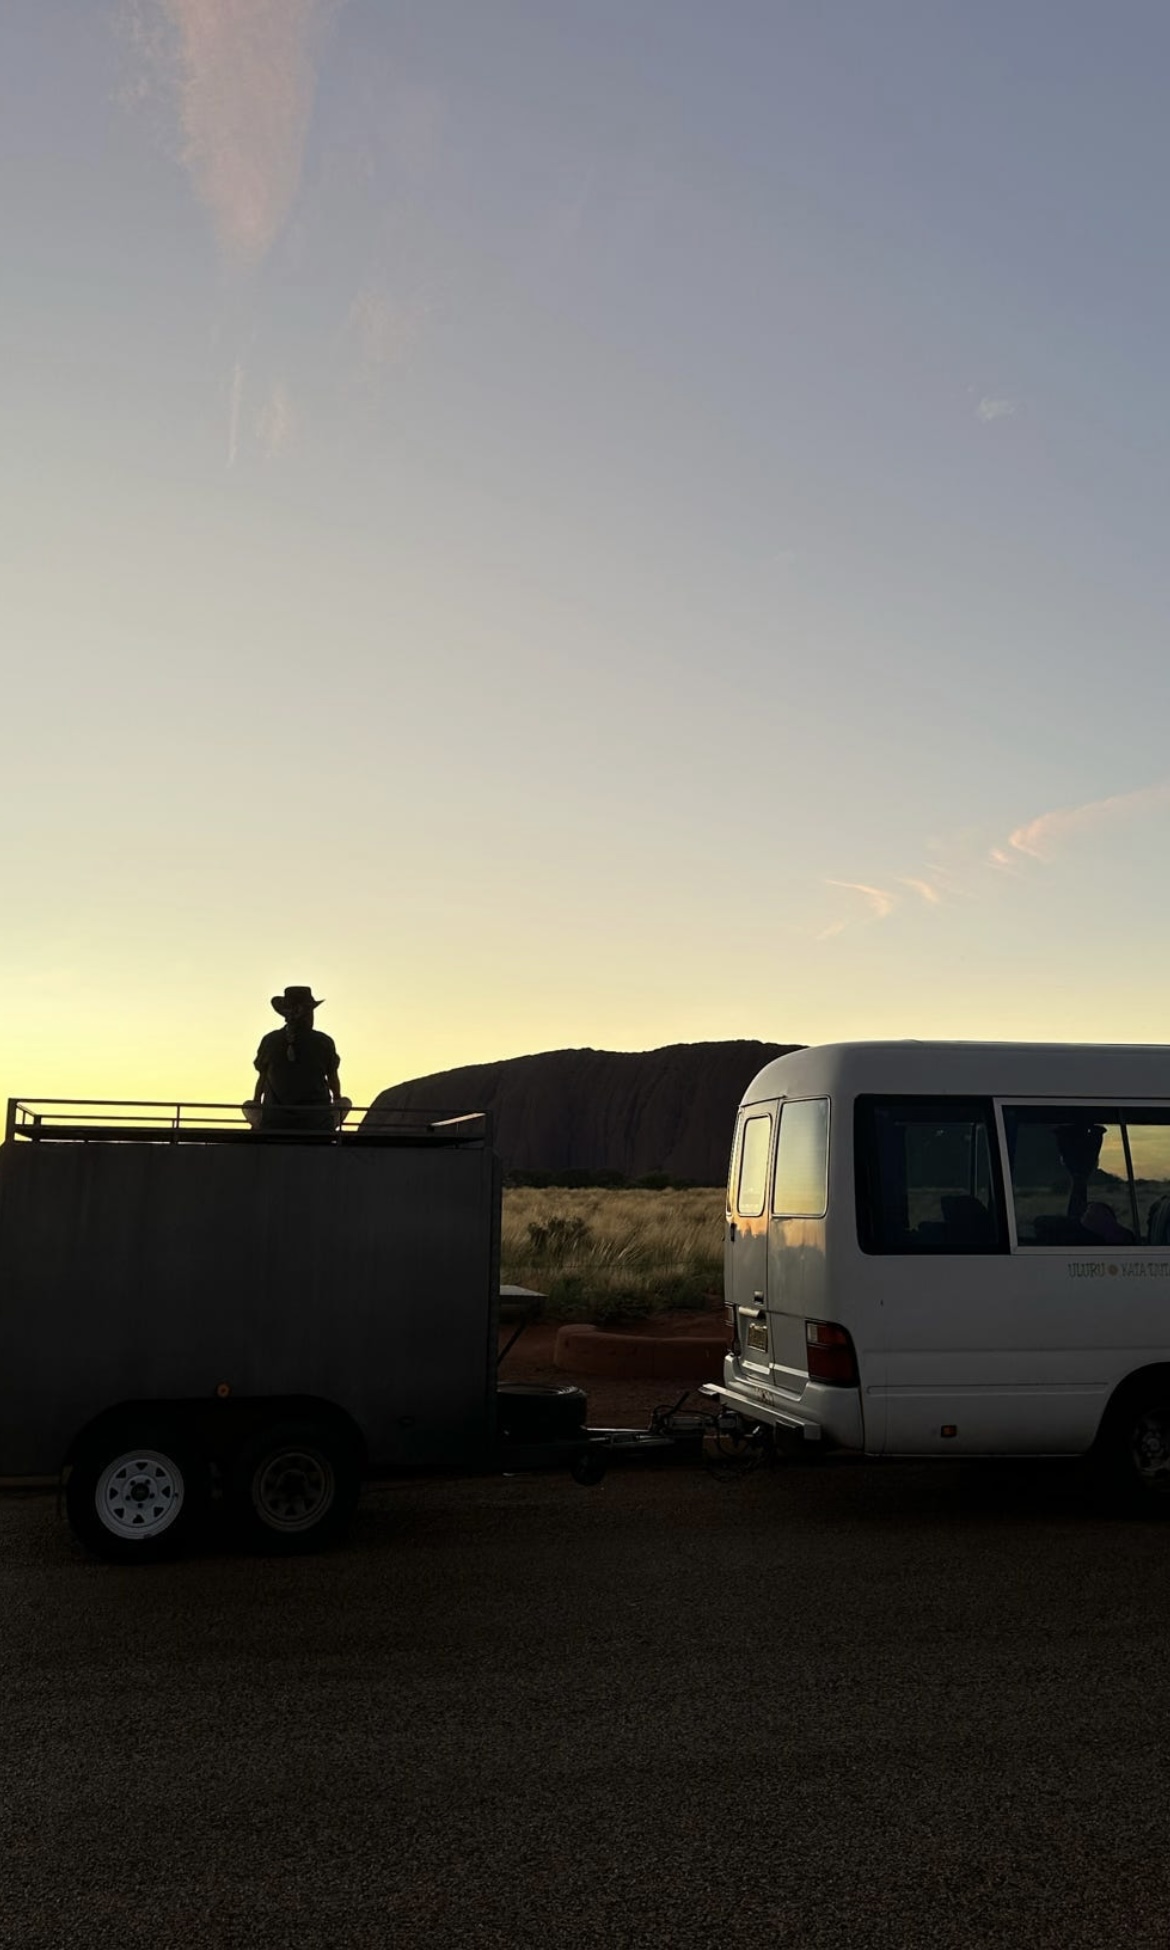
x,y
98,1120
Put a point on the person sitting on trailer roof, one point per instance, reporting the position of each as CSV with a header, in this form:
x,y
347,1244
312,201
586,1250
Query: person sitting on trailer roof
x,y
298,1071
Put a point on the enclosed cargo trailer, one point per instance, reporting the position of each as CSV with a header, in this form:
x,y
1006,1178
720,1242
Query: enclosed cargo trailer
x,y
190,1309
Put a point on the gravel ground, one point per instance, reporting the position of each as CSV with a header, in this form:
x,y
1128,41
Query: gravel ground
x,y
827,1706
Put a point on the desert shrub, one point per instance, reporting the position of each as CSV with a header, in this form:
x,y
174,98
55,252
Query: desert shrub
x,y
559,1238
603,1254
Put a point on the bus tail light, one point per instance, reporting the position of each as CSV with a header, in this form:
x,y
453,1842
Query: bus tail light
x,y
830,1353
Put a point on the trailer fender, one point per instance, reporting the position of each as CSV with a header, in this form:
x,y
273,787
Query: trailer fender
x,y
222,1425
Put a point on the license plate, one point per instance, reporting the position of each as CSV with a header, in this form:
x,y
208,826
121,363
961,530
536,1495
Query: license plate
x,y
757,1334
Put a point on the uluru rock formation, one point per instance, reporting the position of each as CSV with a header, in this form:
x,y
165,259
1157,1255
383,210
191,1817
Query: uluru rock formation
x,y
662,1110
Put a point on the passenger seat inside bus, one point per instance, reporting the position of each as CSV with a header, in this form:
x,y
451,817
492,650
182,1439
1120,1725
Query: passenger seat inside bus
x,y
1106,1228
1093,1229
966,1220
1056,1229
1158,1230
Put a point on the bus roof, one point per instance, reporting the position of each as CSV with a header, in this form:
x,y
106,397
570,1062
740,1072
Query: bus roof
x,y
1073,1071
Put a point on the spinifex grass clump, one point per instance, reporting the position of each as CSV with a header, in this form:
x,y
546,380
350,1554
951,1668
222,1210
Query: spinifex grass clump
x,y
606,1255
558,1239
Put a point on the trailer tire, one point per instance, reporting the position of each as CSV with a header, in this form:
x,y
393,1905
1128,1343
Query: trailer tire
x,y
138,1491
294,1488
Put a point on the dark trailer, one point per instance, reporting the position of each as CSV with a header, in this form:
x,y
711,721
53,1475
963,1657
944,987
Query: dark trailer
x,y
191,1311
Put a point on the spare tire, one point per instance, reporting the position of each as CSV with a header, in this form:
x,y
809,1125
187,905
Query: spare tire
x,y
527,1412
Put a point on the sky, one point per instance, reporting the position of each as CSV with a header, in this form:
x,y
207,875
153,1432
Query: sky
x,y
578,523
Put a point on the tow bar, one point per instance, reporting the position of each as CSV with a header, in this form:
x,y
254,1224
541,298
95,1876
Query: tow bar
x,y
717,1437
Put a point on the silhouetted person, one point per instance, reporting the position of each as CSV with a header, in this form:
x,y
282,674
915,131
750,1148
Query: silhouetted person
x,y
298,1083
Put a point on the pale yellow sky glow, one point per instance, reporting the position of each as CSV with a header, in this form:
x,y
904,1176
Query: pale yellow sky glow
x,y
564,530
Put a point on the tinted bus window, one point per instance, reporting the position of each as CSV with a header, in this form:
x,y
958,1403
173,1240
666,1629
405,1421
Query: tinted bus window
x,y
927,1180
1089,1175
801,1187
1149,1150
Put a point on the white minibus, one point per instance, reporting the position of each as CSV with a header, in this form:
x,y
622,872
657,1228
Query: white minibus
x,y
942,1249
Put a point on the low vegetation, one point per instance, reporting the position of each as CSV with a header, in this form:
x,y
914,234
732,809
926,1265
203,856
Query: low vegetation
x,y
613,1255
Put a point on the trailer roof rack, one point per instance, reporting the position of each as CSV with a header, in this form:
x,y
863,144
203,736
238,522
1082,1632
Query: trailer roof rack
x,y
78,1120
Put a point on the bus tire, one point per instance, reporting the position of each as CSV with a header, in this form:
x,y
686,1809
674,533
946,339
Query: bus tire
x,y
1133,1449
138,1491
293,1488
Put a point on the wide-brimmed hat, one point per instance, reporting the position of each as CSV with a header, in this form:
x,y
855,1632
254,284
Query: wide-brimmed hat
x,y
293,997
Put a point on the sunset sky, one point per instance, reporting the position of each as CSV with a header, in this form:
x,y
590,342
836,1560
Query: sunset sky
x,y
579,522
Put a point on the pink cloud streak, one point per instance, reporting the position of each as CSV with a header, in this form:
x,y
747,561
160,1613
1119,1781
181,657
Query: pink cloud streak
x,y
1041,837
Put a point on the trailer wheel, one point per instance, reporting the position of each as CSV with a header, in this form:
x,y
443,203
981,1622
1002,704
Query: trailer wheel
x,y
294,1488
137,1492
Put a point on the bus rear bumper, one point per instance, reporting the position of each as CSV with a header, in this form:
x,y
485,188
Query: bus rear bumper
x,y
829,1417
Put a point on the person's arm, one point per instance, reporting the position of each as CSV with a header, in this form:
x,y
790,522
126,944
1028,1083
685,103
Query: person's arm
x,y
331,1064
261,1068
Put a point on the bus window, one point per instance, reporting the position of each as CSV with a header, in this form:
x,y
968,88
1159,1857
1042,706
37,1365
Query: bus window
x,y
1089,1175
753,1168
1063,1160
801,1186
1148,1135
925,1177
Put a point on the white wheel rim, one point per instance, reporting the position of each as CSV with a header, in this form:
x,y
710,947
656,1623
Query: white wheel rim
x,y
139,1495
293,1489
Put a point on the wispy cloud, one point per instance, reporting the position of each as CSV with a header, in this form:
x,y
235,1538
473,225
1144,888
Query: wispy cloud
x,y
245,75
878,899
974,866
1044,836
882,901
996,409
923,888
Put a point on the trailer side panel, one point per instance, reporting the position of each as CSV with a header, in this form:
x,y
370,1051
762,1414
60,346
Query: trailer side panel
x,y
143,1271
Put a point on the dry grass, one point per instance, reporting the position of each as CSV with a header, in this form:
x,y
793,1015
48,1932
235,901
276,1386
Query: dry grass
x,y
613,1255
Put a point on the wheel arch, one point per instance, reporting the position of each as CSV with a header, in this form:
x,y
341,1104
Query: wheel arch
x,y
1155,1375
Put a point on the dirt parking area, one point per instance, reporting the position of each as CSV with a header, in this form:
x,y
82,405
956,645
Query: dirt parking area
x,y
829,1706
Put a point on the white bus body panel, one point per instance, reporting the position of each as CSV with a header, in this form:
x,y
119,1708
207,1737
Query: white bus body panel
x,y
1016,1352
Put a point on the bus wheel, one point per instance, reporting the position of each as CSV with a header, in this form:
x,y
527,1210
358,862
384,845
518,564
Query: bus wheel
x,y
1135,1451
137,1492
294,1488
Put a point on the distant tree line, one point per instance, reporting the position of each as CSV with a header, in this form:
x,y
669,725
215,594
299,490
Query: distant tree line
x,y
602,1179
